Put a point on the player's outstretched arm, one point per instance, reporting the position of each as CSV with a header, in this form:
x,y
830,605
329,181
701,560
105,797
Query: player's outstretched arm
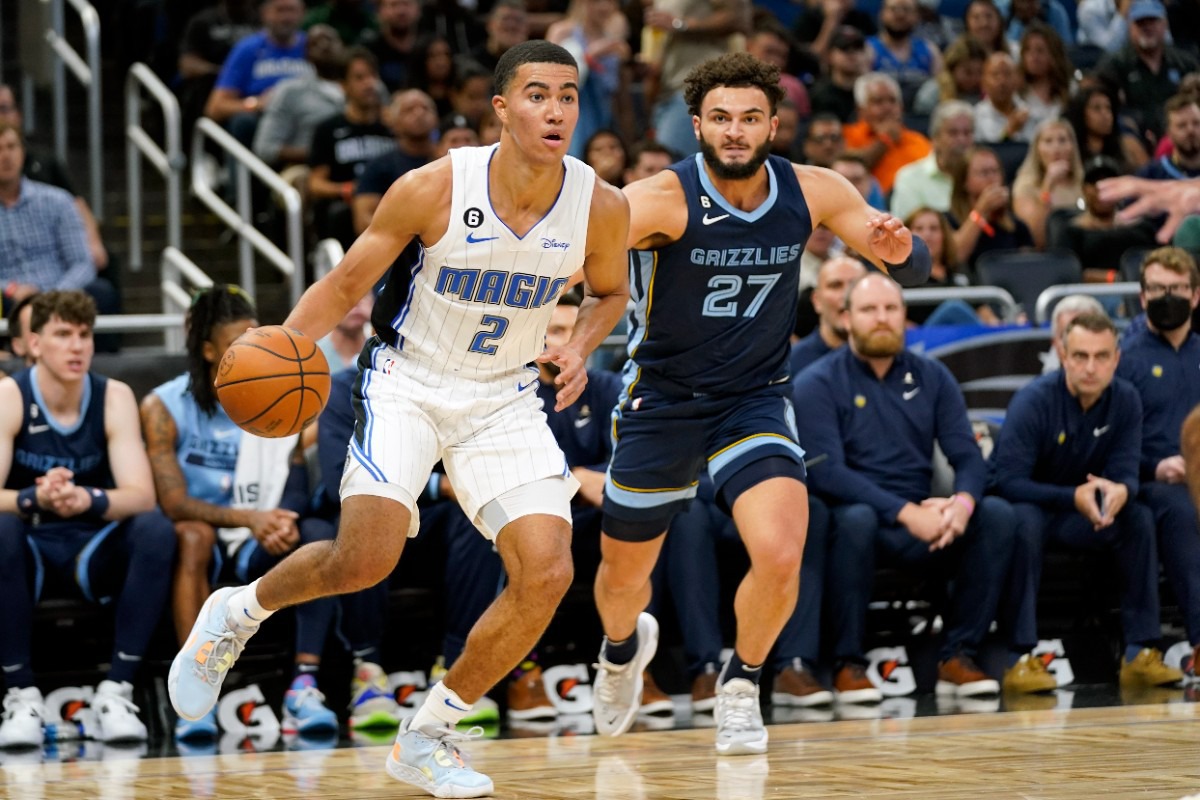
x,y
878,236
606,279
415,206
134,492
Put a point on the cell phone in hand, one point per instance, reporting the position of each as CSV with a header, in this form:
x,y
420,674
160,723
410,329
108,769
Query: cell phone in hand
x,y
1100,503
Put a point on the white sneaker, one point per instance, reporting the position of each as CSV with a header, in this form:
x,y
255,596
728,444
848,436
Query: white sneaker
x,y
23,722
618,690
740,728
372,705
116,715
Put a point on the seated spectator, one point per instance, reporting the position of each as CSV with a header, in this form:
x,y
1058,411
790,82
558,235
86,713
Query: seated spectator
x,y
342,146
854,169
605,153
1183,130
43,244
771,43
821,246
960,77
202,465
1067,458
979,209
927,182
507,25
471,95
828,300
822,21
1066,310
1103,24
296,106
1049,179
1095,115
784,143
934,230
18,329
1146,70
455,131
208,39
596,33
822,140
78,501
489,127
1096,235
1001,115
350,18
1021,14
833,92
984,22
876,482
412,118
255,65
647,159
434,70
879,137
1160,361
393,43
908,58
343,345
1045,73
45,166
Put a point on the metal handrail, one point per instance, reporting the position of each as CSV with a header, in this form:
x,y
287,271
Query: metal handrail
x,y
1041,312
933,295
169,163
291,263
326,255
127,323
88,74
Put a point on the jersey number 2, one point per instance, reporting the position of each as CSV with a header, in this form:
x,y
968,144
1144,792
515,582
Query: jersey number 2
x,y
721,303
493,328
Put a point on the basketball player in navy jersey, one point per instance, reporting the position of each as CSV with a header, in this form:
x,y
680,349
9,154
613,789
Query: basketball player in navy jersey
x,y
717,240
449,376
78,502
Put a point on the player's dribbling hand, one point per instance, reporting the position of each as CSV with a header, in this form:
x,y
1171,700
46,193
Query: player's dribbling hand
x,y
572,377
889,239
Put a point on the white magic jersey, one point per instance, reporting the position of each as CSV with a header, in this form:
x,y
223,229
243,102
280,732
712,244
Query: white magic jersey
x,y
480,299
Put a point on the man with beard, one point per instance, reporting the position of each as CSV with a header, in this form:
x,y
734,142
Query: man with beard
x,y
874,410
1183,129
1147,70
706,383
912,60
1160,361
1067,457
828,300
393,43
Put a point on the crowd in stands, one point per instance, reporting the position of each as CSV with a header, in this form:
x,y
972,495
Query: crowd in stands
x,y
987,132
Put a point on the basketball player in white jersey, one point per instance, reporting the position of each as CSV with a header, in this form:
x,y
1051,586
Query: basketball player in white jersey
x,y
449,376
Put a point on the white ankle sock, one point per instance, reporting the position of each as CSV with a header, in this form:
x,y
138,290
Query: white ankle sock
x,y
245,609
442,709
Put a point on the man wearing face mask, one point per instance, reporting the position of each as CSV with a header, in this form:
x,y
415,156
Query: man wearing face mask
x,y
1161,360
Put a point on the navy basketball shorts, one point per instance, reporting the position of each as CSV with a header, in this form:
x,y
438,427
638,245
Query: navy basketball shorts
x,y
661,442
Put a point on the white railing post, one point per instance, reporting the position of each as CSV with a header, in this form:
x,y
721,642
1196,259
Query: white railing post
x,y
87,72
169,163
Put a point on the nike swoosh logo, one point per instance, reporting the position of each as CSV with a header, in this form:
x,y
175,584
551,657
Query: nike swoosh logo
x,y
38,428
579,423
523,386
710,220
472,239
911,393
225,434
1098,432
456,708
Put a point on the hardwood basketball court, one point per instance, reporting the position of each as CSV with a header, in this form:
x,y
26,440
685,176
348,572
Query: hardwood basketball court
x,y
1144,751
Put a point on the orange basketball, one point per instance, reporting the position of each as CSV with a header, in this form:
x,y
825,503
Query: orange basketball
x,y
272,381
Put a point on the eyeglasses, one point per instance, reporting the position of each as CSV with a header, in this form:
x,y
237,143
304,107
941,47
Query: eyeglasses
x,y
1177,289
825,138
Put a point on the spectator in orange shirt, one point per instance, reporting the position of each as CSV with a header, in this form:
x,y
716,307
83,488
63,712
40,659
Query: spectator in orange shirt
x,y
879,137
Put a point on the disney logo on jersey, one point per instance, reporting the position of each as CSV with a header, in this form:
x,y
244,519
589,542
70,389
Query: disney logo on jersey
x,y
498,287
554,244
746,256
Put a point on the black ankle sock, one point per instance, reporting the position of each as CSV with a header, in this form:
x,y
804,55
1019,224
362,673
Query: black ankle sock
x,y
736,668
621,652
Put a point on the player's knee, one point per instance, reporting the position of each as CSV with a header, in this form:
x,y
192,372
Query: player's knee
x,y
195,542
548,580
355,571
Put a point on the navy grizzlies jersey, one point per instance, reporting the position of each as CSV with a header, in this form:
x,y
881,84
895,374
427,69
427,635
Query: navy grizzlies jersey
x,y
43,443
715,309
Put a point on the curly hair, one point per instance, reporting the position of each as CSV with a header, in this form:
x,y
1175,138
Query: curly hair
x,y
211,307
735,70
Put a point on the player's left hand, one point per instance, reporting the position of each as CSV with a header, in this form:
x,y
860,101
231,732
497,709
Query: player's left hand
x,y
571,378
889,239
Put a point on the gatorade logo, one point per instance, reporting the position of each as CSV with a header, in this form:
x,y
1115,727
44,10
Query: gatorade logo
x,y
569,688
890,671
1054,656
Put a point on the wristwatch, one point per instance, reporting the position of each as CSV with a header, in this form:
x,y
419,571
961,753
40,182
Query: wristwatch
x,y
679,24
